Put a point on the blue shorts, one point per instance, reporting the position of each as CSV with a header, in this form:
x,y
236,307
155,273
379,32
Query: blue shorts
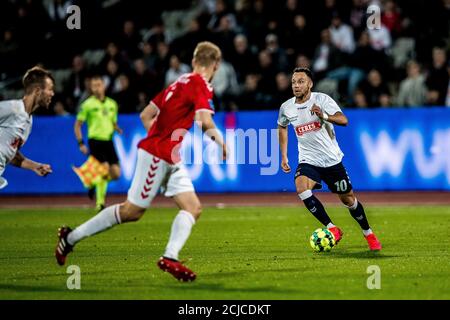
x,y
335,177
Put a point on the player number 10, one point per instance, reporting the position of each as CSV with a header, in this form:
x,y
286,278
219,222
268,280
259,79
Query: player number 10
x,y
341,186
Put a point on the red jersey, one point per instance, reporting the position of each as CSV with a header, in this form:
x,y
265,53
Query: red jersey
x,y
177,105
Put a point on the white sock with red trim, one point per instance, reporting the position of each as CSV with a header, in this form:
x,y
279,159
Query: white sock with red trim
x,y
105,219
181,229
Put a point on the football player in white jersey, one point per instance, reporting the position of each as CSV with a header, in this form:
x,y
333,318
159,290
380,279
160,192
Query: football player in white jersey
x,y
16,121
312,116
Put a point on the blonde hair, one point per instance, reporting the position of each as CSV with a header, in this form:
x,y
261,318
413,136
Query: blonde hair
x,y
206,53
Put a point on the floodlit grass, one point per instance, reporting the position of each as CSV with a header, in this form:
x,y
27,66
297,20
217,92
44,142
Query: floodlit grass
x,y
238,253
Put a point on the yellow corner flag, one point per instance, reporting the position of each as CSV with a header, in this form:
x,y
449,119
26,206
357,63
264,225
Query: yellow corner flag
x,y
91,172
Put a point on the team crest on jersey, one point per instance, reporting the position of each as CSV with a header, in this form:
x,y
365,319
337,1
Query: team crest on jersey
x,y
307,127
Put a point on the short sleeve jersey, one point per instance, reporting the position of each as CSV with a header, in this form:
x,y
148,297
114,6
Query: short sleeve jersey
x,y
177,105
15,128
317,143
100,116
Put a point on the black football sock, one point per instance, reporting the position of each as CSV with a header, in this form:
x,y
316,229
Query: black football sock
x,y
357,212
315,207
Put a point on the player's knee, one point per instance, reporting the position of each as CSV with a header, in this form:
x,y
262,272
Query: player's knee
x,y
196,210
348,200
129,213
302,188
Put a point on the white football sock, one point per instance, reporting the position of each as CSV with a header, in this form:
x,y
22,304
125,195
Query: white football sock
x,y
104,220
367,232
330,225
181,229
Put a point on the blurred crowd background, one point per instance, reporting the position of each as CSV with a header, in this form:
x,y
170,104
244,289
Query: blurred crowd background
x,y
139,47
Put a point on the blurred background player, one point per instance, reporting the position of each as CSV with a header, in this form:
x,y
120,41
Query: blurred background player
x,y
171,112
312,114
100,114
16,121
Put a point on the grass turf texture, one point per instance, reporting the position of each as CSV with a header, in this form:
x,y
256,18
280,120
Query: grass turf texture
x,y
238,253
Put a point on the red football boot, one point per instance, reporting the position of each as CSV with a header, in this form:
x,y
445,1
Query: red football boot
x,y
337,233
63,248
175,267
374,244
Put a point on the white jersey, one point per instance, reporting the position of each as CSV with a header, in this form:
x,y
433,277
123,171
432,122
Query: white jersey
x,y
317,143
15,127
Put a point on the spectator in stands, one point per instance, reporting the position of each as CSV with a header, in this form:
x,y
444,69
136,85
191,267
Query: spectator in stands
x,y
302,61
359,100
176,69
113,53
363,59
221,10
224,35
278,54
299,39
129,40
125,96
358,17
342,35
148,54
162,62
327,56
251,97
375,90
242,58
267,70
59,109
184,45
86,92
255,22
412,92
284,89
391,18
380,39
225,84
437,80
74,87
144,79
110,76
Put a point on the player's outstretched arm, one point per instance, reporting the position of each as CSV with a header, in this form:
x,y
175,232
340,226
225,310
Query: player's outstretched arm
x,y
206,122
39,168
148,115
283,142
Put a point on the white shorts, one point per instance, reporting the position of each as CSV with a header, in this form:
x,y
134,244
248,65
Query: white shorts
x,y
153,174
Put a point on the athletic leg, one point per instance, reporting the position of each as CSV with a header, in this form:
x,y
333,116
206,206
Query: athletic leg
x,y
304,187
356,210
145,185
180,188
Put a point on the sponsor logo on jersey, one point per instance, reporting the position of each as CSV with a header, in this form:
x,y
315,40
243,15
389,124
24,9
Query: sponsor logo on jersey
x,y
307,127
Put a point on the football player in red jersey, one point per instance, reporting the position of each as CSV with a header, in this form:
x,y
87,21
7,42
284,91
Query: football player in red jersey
x,y
167,118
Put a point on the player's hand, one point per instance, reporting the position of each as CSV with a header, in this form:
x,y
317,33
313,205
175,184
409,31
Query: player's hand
x,y
84,150
119,130
285,165
42,169
317,111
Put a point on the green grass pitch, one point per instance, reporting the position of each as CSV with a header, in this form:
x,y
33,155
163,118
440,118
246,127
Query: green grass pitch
x,y
238,253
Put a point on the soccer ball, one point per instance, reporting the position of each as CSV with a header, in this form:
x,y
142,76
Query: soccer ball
x,y
322,239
